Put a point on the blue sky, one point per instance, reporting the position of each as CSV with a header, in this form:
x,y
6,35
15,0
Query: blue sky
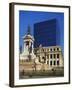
x,y
29,18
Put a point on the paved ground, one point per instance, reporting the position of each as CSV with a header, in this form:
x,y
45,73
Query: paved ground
x,y
41,74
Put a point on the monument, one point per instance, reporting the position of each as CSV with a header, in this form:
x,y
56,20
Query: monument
x,y
28,49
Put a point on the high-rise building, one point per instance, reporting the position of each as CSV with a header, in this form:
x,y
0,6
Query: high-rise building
x,y
47,33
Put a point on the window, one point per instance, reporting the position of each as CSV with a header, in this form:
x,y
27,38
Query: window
x,y
51,63
54,62
27,43
51,56
57,55
54,55
54,49
57,62
43,57
57,49
51,49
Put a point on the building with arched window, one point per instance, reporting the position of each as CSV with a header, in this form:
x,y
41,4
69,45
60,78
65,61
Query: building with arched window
x,y
52,56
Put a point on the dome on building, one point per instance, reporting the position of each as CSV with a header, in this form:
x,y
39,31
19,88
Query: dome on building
x,y
28,37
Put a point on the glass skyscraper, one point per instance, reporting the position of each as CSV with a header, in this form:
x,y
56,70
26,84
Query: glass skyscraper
x,y
47,33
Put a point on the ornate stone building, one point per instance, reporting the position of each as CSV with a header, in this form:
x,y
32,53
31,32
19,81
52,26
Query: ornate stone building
x,y
51,56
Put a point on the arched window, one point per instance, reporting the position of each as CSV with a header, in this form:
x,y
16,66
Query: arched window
x,y
50,55
44,59
51,49
54,62
57,62
54,55
57,49
27,43
51,63
54,49
57,55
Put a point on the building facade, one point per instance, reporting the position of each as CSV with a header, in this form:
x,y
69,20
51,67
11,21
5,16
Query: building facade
x,y
51,56
47,33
